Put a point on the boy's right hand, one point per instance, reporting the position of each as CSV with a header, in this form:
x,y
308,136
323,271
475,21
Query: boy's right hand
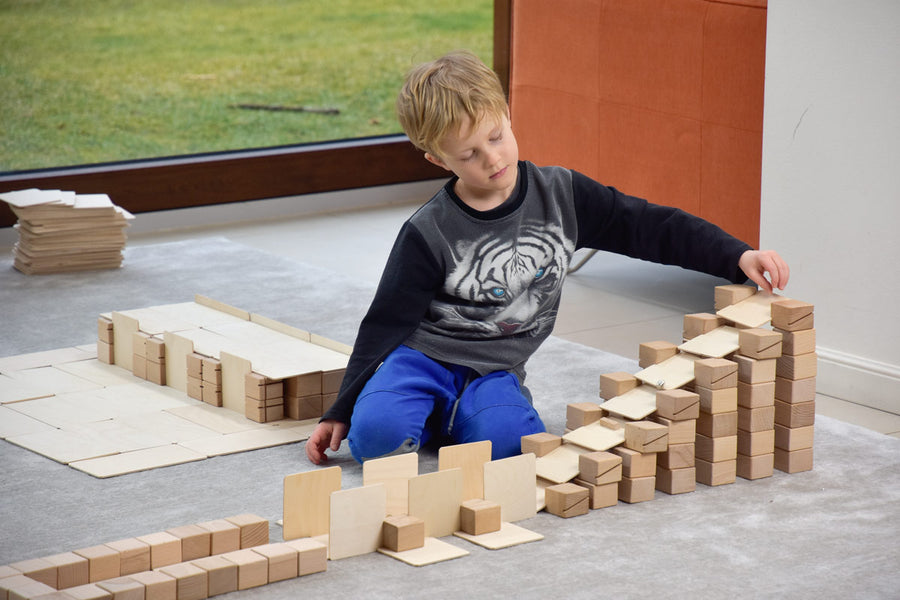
x,y
327,434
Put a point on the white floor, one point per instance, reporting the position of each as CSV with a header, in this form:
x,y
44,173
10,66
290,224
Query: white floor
x,y
612,303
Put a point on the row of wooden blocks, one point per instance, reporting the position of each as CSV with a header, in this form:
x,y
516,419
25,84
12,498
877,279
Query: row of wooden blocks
x,y
302,397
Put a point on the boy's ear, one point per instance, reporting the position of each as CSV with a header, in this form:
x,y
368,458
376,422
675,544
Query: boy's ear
x,y
435,160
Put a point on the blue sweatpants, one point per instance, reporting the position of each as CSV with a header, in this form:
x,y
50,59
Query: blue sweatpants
x,y
412,398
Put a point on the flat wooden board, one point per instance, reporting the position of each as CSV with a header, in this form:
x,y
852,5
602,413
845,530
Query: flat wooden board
x,y
357,516
754,311
169,427
307,502
50,380
217,419
46,358
64,446
138,460
234,371
97,372
715,344
509,535
12,390
560,465
471,458
124,328
14,424
433,551
670,374
252,439
595,437
435,498
510,483
394,472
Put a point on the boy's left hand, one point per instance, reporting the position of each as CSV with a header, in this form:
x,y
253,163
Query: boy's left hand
x,y
756,263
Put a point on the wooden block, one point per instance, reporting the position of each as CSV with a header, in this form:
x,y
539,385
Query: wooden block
x,y
221,574
312,555
103,562
87,592
139,344
134,555
567,500
700,323
717,425
637,489
677,456
713,402
156,372
796,438
797,366
646,436
435,498
478,516
756,442
635,404
599,468
470,458
308,384
21,587
283,560
394,472
105,352
756,419
616,384
802,341
755,395
192,582
794,461
357,517
678,404
795,391
210,366
600,496
726,295
595,436
802,414
195,365
327,401
8,571
165,548
715,449
582,413
157,585
635,464
139,366
38,569
195,541
156,349
254,411
792,315
255,529
560,465
715,373
676,481
402,532
274,413
303,407
540,444
104,330
760,344
307,503
71,570
252,568
751,370
331,381
223,536
213,378
716,473
651,353
680,432
195,388
755,467
123,588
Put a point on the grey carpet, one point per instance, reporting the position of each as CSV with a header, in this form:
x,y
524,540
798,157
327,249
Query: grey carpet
x,y
829,533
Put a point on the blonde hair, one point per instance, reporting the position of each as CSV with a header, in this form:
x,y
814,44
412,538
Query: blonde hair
x,y
438,95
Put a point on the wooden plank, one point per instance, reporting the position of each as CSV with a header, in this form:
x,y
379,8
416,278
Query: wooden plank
x,y
715,344
307,502
432,552
394,472
670,374
356,520
509,535
471,458
510,483
435,498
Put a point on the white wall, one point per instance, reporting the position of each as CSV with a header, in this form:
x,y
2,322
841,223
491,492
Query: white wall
x,y
831,183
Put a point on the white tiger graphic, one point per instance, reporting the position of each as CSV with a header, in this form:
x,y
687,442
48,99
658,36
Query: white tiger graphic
x,y
501,287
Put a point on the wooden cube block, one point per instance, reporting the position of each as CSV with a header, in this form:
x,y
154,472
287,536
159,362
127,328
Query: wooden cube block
x,y
794,461
676,481
567,500
797,366
213,377
637,489
211,394
134,555
792,315
795,391
713,402
139,343
105,353
191,582
756,442
156,372
327,401
283,560
716,449
221,574
717,425
651,353
616,384
756,395
716,473
90,591
195,541
165,549
479,516
304,407
726,295
715,373
600,496
678,456
255,410
646,436
797,438
403,532
20,587
636,464
254,529
71,570
677,405
540,444
104,330
252,567
760,344
123,588
38,569
103,562
157,585
139,366
755,467
680,432
210,366
801,414
331,381
223,536
699,323
274,413
752,370
756,419
308,384
312,555
156,349
798,342
195,365
580,414
8,571
600,468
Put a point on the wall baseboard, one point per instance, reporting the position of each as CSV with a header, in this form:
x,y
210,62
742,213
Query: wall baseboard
x,y
859,380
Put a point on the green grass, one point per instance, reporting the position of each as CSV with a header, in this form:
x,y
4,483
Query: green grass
x,y
110,80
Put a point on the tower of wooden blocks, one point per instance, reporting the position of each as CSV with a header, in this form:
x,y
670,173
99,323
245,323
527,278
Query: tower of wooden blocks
x,y
303,396
204,378
148,360
760,348
678,410
264,398
105,340
715,382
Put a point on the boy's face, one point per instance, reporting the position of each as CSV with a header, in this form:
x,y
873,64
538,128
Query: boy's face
x,y
485,158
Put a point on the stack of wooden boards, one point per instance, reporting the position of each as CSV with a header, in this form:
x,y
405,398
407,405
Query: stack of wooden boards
x,y
61,231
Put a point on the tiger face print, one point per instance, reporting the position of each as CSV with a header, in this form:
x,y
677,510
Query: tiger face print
x,y
502,287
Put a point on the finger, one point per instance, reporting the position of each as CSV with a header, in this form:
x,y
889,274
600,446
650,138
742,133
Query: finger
x,y
312,453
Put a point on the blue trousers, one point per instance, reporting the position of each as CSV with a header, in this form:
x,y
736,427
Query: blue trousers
x,y
412,399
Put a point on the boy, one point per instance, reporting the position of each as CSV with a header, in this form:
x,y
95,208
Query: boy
x,y
473,282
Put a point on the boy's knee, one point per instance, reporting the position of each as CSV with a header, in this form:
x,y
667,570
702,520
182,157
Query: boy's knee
x,y
375,438
502,424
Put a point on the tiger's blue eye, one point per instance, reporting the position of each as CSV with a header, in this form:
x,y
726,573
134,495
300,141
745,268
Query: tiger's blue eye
x,y
498,292
539,274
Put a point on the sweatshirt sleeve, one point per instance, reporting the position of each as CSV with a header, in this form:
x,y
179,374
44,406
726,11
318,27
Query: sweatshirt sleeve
x,y
612,221
411,278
